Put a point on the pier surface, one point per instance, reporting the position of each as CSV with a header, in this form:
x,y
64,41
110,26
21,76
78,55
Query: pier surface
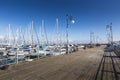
x,y
89,64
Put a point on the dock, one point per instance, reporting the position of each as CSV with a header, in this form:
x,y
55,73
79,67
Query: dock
x,y
89,64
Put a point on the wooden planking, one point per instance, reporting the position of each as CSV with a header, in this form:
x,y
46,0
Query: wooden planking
x,y
91,64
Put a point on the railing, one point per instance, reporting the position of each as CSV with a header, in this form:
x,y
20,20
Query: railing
x,y
6,61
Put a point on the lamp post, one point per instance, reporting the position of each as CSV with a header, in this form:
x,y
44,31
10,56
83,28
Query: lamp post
x,y
69,19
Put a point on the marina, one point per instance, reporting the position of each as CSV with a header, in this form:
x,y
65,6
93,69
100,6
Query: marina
x,y
59,40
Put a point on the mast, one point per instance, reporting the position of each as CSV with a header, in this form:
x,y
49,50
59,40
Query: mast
x,y
9,35
32,33
20,36
109,33
92,39
42,32
28,34
17,31
23,37
57,30
57,25
13,37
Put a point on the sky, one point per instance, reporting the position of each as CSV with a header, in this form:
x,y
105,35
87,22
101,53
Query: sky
x,y
89,16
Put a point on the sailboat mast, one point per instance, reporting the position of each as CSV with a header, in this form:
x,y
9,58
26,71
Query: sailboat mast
x,y
9,35
57,30
28,34
32,33
42,32
20,36
57,25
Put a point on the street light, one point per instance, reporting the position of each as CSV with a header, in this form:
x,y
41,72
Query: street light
x,y
69,19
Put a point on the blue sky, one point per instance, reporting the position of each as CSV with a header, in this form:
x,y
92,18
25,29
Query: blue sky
x,y
89,15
